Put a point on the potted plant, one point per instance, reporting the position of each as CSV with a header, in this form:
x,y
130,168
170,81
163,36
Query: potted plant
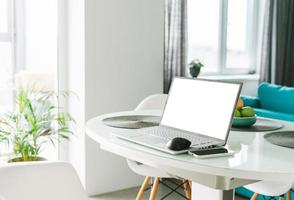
x,y
35,121
195,67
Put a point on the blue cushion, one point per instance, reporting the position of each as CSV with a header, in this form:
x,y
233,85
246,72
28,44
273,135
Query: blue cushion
x,y
251,101
274,115
243,192
276,98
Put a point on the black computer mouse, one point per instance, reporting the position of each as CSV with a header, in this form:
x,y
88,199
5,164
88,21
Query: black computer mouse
x,y
178,144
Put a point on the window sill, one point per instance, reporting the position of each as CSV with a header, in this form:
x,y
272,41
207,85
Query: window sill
x,y
248,77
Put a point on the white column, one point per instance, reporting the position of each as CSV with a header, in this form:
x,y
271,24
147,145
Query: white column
x,y
124,42
200,192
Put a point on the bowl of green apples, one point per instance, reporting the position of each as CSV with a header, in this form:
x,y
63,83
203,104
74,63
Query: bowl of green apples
x,y
244,116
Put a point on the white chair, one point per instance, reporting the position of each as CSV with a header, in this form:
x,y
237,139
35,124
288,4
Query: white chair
x,y
40,181
153,102
270,188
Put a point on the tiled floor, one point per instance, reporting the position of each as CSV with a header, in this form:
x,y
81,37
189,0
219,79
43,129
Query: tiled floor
x,y
130,194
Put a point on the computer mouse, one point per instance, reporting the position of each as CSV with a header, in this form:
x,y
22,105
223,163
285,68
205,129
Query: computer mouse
x,y
178,144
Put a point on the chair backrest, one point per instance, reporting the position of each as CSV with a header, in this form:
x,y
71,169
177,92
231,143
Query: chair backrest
x,y
40,180
153,102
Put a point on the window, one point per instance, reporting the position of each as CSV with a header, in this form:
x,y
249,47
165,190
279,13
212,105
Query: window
x,y
223,35
28,41
28,44
36,46
40,36
6,54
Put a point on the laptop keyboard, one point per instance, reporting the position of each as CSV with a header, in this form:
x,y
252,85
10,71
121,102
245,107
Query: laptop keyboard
x,y
169,134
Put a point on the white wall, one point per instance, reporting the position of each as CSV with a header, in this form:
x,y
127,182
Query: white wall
x,y
111,57
123,64
250,87
250,82
76,82
71,77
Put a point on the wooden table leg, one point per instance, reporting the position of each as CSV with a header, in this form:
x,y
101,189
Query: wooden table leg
x,y
154,189
143,187
289,195
187,189
254,197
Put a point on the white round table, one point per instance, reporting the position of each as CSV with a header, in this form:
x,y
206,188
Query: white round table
x,y
254,159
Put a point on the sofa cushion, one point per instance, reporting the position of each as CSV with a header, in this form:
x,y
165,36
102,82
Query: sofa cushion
x,y
274,115
276,98
251,101
243,192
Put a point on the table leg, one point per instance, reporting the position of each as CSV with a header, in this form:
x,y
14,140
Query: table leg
x,y
200,192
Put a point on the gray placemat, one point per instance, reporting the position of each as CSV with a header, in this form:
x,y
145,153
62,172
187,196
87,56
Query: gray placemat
x,y
283,138
260,125
132,121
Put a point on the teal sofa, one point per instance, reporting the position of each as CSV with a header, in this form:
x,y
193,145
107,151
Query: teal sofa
x,y
272,101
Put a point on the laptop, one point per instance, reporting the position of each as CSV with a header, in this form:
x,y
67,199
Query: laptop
x,y
196,109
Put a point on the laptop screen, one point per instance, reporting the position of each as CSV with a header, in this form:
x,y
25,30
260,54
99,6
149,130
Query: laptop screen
x,y
201,106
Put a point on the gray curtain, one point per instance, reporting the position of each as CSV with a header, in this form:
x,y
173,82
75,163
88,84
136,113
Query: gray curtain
x,y
277,58
175,40
267,66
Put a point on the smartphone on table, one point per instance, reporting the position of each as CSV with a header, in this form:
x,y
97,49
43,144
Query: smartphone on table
x,y
211,152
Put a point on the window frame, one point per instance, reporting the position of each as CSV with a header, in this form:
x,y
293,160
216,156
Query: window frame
x,y
252,40
19,35
8,37
10,34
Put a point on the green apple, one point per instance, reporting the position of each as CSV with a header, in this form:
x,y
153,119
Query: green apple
x,y
237,113
247,111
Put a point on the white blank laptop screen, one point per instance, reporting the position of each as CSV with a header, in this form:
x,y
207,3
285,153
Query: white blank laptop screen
x,y
200,106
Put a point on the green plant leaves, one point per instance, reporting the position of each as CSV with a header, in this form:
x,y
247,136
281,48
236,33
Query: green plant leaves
x,y
36,120
196,63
